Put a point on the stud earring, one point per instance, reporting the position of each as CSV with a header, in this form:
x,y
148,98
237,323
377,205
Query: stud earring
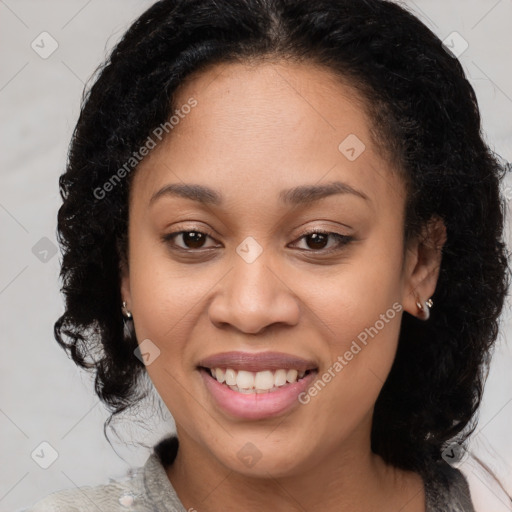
x,y
424,308
125,311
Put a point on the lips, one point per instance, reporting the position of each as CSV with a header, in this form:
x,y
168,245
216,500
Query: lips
x,y
276,397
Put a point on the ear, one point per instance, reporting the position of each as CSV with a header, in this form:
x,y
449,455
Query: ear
x,y
422,265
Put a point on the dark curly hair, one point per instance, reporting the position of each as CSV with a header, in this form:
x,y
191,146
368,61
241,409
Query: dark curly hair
x,y
425,117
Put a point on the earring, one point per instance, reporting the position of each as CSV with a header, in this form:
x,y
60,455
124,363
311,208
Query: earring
x,y
128,330
125,311
424,308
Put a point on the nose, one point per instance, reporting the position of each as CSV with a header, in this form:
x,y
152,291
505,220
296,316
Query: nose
x,y
253,296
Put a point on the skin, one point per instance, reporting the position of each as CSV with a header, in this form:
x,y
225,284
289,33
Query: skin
x,y
258,129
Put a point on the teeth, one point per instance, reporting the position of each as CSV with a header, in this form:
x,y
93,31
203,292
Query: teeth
x,y
220,375
280,377
291,375
264,380
256,382
245,380
230,377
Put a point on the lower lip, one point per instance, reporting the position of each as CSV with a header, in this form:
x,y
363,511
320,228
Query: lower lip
x,y
255,406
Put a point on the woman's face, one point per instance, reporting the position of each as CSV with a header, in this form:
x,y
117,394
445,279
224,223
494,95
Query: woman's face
x,y
246,283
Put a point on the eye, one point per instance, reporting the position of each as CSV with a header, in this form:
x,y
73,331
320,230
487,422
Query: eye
x,y
318,240
191,239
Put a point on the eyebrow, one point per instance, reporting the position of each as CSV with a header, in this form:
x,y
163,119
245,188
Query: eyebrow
x,y
301,194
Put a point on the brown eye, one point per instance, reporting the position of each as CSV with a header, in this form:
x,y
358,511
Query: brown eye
x,y
193,239
318,241
190,240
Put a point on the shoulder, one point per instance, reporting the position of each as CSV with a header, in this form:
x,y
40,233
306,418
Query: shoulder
x,y
146,488
447,489
487,482
113,496
469,485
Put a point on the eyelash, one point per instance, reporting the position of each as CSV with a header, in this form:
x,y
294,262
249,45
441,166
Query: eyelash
x,y
342,240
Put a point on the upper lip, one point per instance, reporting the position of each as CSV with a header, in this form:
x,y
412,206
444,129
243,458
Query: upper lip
x,y
257,361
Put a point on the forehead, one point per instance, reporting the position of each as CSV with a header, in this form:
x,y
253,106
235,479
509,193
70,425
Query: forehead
x,y
259,126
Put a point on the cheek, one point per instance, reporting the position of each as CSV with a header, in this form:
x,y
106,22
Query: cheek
x,y
355,295
164,293
164,307
362,310
164,297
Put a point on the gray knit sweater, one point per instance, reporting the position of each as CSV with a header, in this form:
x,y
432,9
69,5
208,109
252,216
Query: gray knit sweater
x,y
147,489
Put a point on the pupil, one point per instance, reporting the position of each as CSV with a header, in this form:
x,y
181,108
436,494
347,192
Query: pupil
x,y
196,238
318,238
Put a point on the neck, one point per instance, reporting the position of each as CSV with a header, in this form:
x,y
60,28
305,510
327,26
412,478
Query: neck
x,y
355,480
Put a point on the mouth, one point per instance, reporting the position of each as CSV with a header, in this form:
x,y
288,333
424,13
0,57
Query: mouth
x,y
256,385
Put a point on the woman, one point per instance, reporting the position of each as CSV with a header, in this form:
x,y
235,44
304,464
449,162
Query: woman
x,y
284,214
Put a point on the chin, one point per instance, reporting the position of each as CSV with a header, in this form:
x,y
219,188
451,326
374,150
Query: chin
x,y
258,456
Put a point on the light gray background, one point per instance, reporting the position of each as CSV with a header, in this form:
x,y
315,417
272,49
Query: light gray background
x,y
43,396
